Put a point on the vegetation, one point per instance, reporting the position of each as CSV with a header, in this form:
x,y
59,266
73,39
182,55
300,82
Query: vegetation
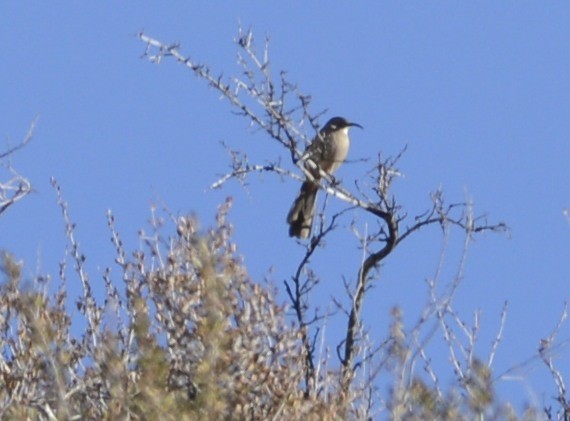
x,y
187,334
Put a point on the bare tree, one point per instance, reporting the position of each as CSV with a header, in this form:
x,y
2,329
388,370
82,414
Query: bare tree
x,y
278,107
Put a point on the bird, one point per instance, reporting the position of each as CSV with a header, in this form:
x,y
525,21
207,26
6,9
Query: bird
x,y
327,151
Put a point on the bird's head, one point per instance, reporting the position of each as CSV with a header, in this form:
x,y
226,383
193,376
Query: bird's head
x,y
338,123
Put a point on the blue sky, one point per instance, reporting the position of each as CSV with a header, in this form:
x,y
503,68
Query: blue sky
x,y
479,93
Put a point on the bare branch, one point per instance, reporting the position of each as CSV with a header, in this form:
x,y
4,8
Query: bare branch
x,y
86,304
17,186
271,118
241,168
545,352
499,336
24,142
298,294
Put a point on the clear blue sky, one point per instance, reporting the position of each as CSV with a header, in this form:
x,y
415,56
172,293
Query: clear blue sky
x,y
479,92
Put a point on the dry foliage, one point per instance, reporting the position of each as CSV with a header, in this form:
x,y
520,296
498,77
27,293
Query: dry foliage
x,y
192,337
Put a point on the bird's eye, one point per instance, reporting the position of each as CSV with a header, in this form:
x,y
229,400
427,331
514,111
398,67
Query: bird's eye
x,y
333,126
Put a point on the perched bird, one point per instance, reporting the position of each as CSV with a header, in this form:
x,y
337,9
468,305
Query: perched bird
x,y
328,151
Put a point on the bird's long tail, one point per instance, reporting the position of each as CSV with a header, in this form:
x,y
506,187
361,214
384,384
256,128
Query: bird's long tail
x,y
300,217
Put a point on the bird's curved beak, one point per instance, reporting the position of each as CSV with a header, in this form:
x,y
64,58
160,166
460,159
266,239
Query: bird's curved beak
x,y
356,125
